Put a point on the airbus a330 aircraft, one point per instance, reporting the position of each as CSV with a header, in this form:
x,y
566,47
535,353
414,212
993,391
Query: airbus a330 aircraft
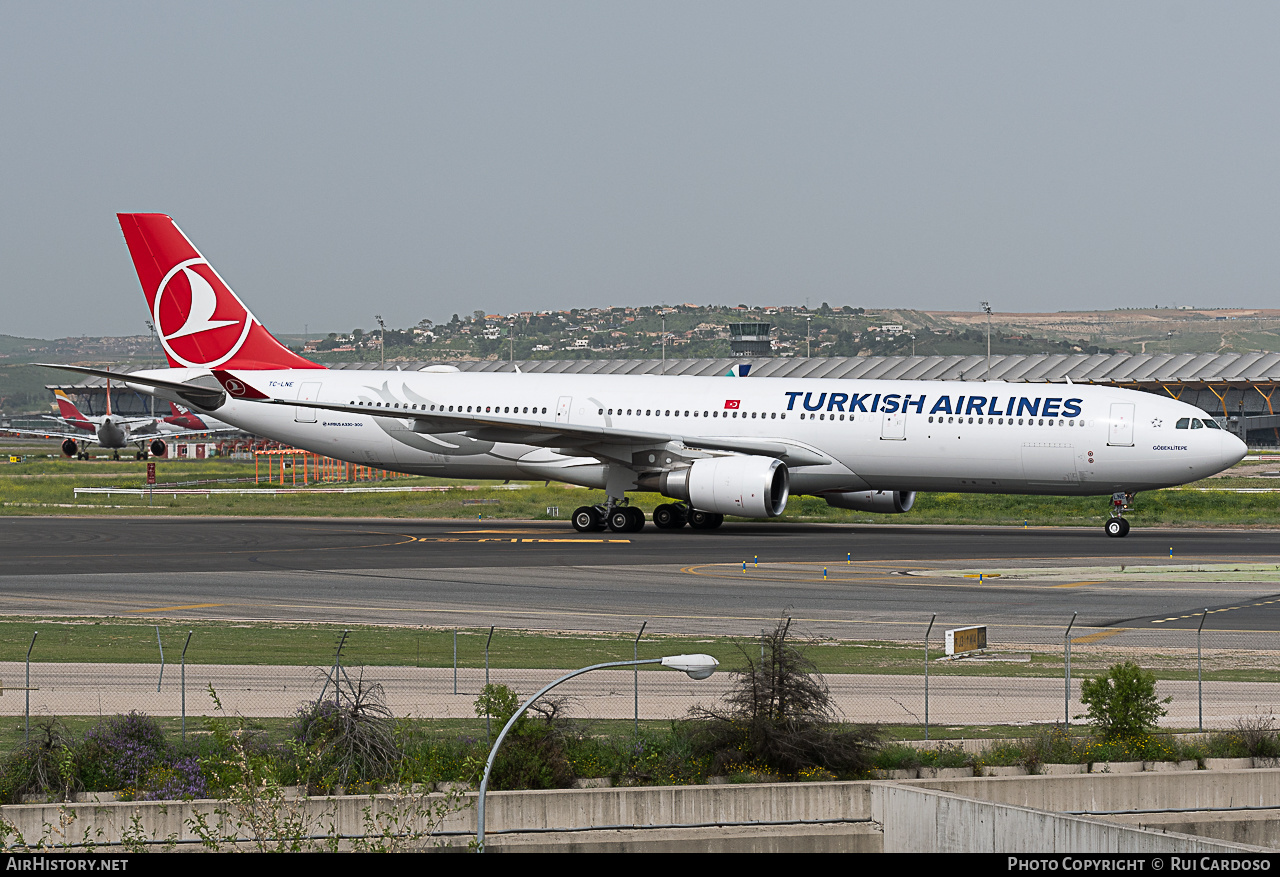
x,y
715,446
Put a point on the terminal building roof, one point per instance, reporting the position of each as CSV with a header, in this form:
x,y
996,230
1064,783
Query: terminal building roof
x,y
1119,369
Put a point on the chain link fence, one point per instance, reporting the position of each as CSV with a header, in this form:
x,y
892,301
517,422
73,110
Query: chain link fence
x,y
1026,674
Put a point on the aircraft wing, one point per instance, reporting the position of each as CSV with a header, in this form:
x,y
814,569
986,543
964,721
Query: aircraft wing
x,y
186,433
208,398
79,437
526,431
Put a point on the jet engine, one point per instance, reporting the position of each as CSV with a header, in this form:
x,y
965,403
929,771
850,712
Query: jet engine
x,y
69,447
881,502
158,448
747,486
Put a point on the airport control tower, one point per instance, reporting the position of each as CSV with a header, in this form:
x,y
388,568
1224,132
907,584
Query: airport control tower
x,y
750,339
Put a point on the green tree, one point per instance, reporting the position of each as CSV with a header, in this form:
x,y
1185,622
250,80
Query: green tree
x,y
1123,702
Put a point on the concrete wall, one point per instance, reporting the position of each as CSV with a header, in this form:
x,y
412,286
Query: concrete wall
x,y
1189,790
846,807
1003,814
919,820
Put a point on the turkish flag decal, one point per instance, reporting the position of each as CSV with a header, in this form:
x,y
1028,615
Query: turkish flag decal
x,y
733,404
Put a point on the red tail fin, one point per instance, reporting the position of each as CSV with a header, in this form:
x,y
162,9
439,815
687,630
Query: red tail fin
x,y
200,321
68,411
184,417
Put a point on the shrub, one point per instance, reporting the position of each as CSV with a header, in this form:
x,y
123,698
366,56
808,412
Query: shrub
x,y
1051,745
348,741
779,715
45,765
1257,735
1123,702
897,756
120,751
534,753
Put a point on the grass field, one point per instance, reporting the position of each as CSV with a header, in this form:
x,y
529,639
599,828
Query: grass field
x,y
126,641
42,486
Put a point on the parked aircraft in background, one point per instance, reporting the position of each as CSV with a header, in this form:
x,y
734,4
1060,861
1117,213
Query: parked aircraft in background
x,y
714,447
113,432
185,421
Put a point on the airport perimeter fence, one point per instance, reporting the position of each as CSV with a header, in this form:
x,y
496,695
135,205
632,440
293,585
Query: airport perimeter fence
x,y
1029,674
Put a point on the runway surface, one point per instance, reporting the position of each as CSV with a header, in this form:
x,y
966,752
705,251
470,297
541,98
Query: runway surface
x,y
880,582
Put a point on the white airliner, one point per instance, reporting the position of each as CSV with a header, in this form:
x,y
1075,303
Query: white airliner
x,y
715,446
112,431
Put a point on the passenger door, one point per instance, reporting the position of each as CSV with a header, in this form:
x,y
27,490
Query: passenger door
x,y
309,392
1120,430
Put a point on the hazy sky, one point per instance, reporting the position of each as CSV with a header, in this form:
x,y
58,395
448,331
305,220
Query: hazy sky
x,y
334,161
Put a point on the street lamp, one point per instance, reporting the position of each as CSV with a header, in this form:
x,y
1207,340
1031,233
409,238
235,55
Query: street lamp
x,y
697,666
382,337
986,306
808,321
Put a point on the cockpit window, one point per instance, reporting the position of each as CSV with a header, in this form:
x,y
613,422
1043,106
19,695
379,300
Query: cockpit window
x,y
1212,424
1196,424
1184,423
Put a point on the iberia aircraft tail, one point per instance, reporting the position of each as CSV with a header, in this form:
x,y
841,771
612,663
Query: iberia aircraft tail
x,y
68,411
200,321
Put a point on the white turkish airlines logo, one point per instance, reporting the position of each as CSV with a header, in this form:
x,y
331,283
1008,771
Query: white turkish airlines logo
x,y
184,308
234,387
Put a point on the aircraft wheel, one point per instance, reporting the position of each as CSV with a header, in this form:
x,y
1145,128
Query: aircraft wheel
x,y
637,519
703,520
586,519
1117,527
667,517
624,520
1124,522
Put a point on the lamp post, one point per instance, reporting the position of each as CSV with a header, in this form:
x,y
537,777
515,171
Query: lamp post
x,y
697,666
986,306
382,338
808,322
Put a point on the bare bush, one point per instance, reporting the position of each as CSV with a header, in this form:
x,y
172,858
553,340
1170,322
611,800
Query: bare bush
x,y
779,715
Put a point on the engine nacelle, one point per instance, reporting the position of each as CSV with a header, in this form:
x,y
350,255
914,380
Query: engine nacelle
x,y
69,447
750,487
881,502
158,448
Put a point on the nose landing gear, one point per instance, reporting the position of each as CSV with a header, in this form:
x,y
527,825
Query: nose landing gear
x,y
1117,526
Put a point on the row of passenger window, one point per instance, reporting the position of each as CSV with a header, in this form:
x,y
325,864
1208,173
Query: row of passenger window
x,y
669,412
488,409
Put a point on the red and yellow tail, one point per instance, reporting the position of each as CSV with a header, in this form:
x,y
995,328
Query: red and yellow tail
x,y
68,411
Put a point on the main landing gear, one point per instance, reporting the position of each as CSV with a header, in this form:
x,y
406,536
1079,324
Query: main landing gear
x,y
673,516
1116,525
628,519
619,519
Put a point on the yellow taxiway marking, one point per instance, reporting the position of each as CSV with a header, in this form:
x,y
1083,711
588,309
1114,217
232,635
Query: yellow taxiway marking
x,y
1102,634
514,539
405,539
1076,584
176,608
508,532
